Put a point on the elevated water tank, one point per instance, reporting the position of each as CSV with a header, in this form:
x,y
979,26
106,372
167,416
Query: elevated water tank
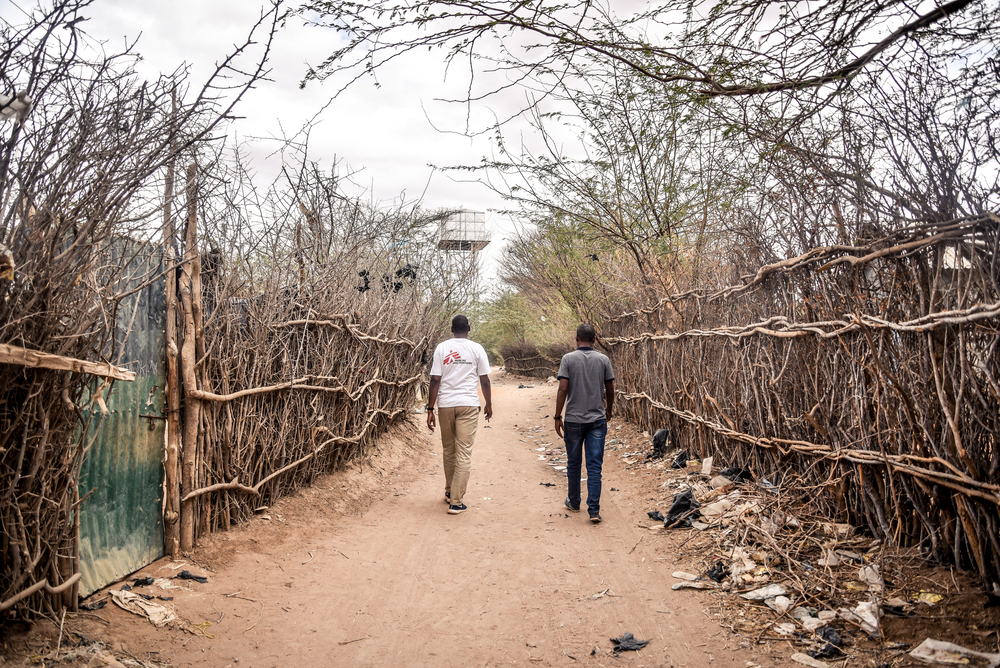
x,y
464,231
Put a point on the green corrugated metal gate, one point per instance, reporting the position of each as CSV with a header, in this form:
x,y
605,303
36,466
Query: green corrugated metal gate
x,y
121,522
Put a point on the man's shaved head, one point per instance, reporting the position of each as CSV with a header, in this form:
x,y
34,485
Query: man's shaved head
x,y
585,333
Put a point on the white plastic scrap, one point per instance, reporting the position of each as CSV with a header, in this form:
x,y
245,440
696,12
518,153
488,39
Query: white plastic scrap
x,y
779,603
807,660
799,613
684,584
865,614
870,576
741,563
811,623
786,629
717,509
831,559
808,622
937,651
770,591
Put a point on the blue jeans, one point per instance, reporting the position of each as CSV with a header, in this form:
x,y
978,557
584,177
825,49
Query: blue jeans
x,y
585,439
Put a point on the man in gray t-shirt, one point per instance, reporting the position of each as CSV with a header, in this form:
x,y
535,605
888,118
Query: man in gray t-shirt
x,y
586,381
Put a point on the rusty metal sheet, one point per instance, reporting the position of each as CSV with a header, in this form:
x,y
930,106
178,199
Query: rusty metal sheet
x,y
121,522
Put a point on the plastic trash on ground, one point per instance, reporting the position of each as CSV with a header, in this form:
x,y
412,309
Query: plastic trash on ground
x,y
939,652
659,444
684,584
866,614
628,643
154,612
808,622
870,576
720,482
736,474
718,572
807,660
680,461
830,559
682,511
927,597
780,604
770,591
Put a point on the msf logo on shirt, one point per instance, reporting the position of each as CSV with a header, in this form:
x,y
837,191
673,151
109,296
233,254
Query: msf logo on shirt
x,y
454,358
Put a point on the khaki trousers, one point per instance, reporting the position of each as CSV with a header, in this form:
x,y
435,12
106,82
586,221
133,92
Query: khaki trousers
x,y
458,433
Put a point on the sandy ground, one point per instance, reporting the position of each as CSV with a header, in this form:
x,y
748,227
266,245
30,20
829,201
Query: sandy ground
x,y
368,569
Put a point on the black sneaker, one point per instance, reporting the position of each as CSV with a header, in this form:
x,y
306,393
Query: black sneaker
x,y
455,510
570,506
595,519
447,498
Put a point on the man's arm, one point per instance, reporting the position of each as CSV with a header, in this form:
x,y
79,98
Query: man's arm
x,y
484,382
560,402
432,396
609,397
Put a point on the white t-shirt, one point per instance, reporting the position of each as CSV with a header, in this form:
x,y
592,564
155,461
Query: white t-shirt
x,y
460,363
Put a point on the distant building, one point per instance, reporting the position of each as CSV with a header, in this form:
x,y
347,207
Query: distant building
x,y
464,231
463,236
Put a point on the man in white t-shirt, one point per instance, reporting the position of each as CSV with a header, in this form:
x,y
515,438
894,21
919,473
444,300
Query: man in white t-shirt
x,y
459,369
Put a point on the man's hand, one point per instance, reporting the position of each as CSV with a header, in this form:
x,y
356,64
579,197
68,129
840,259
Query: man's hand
x,y
488,410
559,427
431,421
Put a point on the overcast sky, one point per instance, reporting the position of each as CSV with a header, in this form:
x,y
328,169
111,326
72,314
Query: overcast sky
x,y
389,131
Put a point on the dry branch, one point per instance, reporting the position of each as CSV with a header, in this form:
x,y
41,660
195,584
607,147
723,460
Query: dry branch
x,y
902,463
38,586
41,360
301,384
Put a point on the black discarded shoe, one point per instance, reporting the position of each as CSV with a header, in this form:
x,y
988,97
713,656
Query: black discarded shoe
x,y
570,506
595,519
455,510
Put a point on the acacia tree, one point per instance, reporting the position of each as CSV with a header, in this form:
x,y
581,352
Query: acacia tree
x,y
835,120
734,48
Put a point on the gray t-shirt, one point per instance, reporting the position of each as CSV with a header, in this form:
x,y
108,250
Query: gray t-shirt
x,y
587,370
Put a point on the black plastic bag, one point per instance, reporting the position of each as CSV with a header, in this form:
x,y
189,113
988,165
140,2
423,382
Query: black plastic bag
x,y
655,515
682,511
718,572
628,643
660,443
681,460
828,651
187,575
831,635
737,474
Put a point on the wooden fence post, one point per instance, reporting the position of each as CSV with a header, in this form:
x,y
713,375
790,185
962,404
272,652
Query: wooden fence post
x,y
171,485
190,280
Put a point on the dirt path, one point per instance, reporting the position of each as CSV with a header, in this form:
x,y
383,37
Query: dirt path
x,y
510,582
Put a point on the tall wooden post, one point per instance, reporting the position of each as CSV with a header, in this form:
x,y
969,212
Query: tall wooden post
x,y
171,484
190,281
